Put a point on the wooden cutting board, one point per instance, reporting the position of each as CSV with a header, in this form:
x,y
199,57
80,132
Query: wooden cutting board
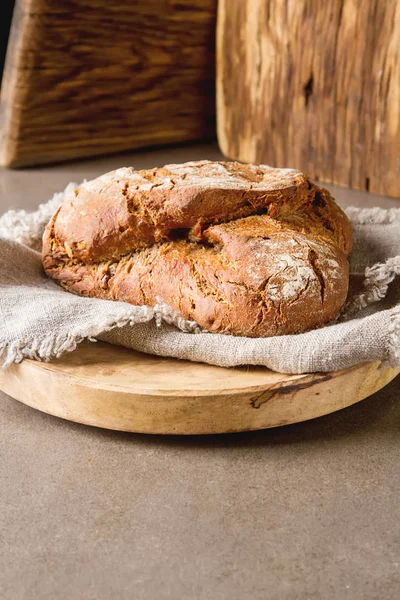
x,y
89,77
112,387
314,86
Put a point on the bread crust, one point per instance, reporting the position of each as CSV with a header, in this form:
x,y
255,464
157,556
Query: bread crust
x,y
240,249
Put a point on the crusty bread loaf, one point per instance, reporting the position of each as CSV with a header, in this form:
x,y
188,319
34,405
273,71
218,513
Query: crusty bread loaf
x,y
241,249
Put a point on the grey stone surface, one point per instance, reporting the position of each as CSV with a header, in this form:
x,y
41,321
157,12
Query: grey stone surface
x,y
304,511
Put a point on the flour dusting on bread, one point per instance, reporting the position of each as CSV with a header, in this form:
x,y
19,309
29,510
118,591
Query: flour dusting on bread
x,y
242,249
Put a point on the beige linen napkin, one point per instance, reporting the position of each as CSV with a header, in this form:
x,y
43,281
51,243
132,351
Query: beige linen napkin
x,y
39,320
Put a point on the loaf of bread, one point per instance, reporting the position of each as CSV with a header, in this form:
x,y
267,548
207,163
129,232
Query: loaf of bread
x,y
240,249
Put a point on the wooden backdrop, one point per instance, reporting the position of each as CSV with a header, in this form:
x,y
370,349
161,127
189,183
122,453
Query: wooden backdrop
x,y
86,77
312,85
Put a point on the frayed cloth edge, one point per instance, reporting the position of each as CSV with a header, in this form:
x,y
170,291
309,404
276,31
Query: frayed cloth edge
x,y
372,216
54,346
376,285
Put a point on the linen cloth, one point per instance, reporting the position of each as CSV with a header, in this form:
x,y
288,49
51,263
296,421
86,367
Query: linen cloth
x,y
39,320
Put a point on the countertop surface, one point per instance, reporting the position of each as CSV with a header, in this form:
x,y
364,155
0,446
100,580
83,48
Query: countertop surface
x,y
307,511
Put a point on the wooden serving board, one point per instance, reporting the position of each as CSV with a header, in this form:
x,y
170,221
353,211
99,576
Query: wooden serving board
x,y
314,86
112,387
89,77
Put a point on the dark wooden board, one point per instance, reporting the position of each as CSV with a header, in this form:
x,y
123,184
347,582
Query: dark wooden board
x,y
87,77
312,85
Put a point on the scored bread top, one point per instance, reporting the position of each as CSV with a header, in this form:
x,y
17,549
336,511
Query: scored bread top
x,y
127,210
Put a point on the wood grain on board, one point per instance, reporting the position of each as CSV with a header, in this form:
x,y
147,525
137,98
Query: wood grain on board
x,y
116,388
312,85
87,77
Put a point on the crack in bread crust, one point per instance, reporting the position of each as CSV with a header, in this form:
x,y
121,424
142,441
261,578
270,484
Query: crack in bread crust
x,y
241,249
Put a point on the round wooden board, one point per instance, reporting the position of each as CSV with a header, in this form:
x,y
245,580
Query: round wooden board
x,y
112,387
